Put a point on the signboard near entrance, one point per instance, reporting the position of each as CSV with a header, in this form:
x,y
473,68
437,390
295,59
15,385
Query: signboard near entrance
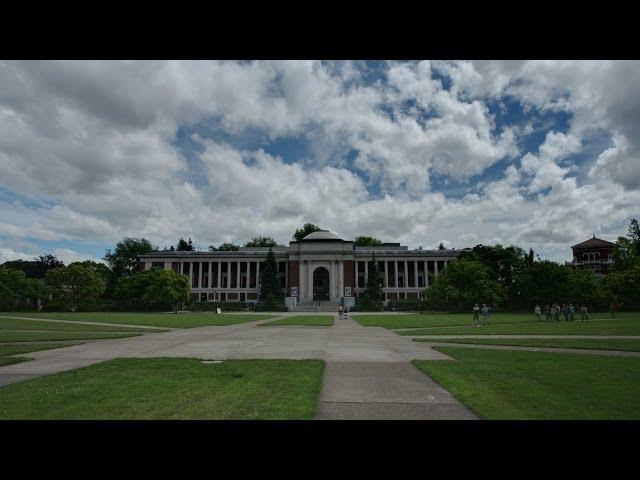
x,y
294,291
347,291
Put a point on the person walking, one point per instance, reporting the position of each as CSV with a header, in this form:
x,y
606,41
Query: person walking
x,y
565,312
476,315
547,312
613,308
537,311
585,313
340,311
571,312
485,314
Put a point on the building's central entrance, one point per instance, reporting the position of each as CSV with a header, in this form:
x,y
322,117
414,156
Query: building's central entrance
x,y
321,284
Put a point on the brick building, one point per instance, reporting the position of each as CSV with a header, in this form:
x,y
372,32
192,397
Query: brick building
x,y
593,254
321,267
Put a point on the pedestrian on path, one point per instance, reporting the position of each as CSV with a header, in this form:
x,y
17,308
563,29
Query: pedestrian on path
x,y
537,311
476,315
571,312
585,313
547,312
340,311
565,312
485,314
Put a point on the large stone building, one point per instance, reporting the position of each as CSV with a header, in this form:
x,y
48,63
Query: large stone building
x,y
321,267
593,254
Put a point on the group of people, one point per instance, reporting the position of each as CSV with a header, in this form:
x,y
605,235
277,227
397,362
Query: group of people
x,y
553,311
484,311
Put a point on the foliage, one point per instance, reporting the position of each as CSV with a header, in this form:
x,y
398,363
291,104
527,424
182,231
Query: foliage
x,y
408,305
624,286
306,229
36,268
123,260
212,306
16,290
270,294
441,246
363,241
261,242
374,283
227,246
634,235
365,304
463,283
162,287
73,285
624,255
184,246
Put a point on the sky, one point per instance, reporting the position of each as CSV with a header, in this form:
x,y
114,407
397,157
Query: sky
x,y
540,154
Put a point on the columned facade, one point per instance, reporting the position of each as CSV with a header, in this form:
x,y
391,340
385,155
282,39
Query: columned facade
x,y
235,275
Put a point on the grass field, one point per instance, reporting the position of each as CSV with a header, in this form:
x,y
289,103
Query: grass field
x,y
308,320
617,326
170,388
499,384
392,321
42,336
595,344
17,324
171,320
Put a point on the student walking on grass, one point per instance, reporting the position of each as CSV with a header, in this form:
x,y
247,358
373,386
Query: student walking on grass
x,y
547,312
476,315
537,312
571,312
565,312
485,314
585,312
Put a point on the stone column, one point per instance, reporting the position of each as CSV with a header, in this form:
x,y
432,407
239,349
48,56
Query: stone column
x,y
210,278
258,274
386,274
200,274
415,274
435,269
301,279
405,272
238,274
395,273
219,283
286,277
341,278
310,281
190,275
426,274
228,274
366,273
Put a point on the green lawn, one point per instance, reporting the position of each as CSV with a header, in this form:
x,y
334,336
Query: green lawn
x,y
40,336
618,326
596,344
309,320
499,384
17,324
6,350
393,321
170,388
11,360
171,320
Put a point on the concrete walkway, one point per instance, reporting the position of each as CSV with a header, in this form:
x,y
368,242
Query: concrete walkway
x,y
379,383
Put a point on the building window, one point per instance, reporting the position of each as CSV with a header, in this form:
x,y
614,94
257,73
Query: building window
x,y
203,297
223,296
157,265
243,297
402,295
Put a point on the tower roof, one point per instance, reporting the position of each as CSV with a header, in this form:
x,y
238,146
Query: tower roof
x,y
594,242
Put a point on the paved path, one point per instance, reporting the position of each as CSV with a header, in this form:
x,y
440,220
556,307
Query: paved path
x,y
547,337
380,384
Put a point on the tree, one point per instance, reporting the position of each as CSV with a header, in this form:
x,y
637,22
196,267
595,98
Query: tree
x,y
546,282
624,255
374,283
585,288
166,286
269,286
463,283
37,267
228,246
363,241
47,262
623,286
98,268
441,246
634,235
261,242
17,289
73,285
306,229
184,246
123,260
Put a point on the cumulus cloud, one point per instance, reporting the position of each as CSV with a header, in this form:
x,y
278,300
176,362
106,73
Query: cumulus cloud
x,y
90,150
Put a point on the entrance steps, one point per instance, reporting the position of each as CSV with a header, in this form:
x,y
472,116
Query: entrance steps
x,y
317,307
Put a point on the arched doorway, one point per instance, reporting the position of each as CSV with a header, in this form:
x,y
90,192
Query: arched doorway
x,y
320,284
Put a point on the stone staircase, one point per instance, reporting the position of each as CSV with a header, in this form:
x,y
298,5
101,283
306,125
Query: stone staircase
x,y
309,306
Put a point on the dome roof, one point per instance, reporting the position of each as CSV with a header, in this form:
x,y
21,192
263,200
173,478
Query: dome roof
x,y
322,235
